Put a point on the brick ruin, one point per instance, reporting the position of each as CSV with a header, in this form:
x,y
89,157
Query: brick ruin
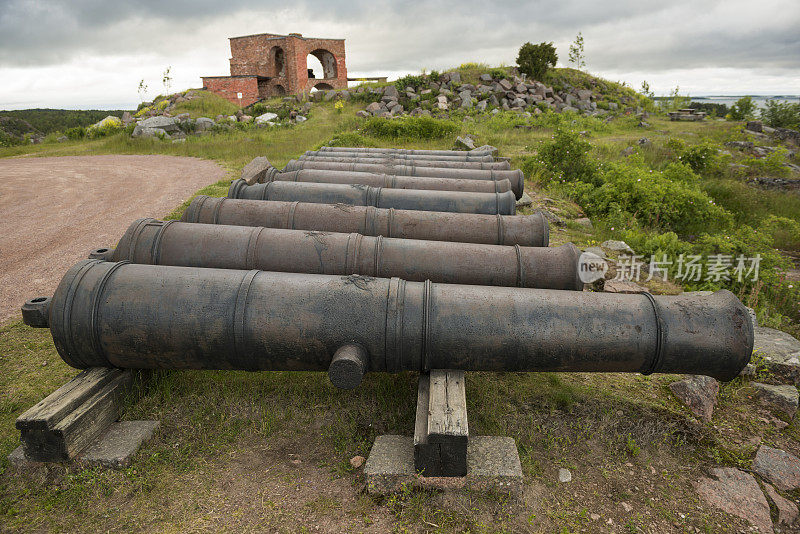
x,y
267,64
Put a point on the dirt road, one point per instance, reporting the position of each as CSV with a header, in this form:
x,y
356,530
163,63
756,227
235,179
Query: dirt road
x,y
54,210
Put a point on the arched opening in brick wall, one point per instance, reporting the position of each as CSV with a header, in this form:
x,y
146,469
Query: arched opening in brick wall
x,y
278,61
323,63
278,90
321,87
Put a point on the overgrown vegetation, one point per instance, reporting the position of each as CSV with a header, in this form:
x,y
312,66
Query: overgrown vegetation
x,y
410,128
536,59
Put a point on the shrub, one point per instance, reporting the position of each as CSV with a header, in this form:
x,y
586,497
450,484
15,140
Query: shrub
x,y
409,81
105,127
743,109
536,60
781,114
771,164
699,157
784,232
79,132
567,157
410,128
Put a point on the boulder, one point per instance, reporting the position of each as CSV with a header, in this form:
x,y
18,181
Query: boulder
x,y
780,353
363,113
108,123
391,91
396,109
699,393
300,118
454,77
524,200
245,118
374,108
754,126
481,106
736,493
505,84
617,246
584,94
151,132
781,398
167,124
255,171
570,108
778,467
787,510
486,77
127,117
266,117
62,138
203,123
464,143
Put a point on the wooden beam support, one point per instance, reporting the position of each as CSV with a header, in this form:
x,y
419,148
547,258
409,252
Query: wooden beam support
x,y
59,427
441,431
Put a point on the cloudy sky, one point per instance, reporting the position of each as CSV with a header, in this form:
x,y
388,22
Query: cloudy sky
x,y
92,53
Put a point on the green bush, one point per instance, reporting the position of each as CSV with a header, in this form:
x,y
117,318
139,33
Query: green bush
x,y
567,157
79,132
781,114
349,139
784,232
699,157
744,109
410,80
536,60
771,164
421,128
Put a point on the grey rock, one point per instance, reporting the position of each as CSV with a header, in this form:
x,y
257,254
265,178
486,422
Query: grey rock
x,y
584,94
486,77
597,251
613,106
524,200
150,132
564,475
374,108
266,117
300,118
255,171
553,218
781,398
778,467
780,353
570,108
699,393
481,106
204,123
464,143
617,246
737,493
505,84
754,126
62,138
391,91
167,124
396,109
587,223
363,113
518,103
127,117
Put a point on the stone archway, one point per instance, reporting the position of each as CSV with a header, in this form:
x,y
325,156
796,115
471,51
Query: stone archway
x,y
278,90
321,87
327,61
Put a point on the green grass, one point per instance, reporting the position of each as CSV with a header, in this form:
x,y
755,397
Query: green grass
x,y
206,104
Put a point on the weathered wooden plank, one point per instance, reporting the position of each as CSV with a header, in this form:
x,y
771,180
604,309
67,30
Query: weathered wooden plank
x,y
67,421
441,430
45,414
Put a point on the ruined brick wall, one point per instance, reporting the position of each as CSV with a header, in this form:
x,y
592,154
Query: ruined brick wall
x,y
228,86
277,65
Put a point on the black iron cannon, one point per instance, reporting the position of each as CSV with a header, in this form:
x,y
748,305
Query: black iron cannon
x,y
111,314
485,162
391,181
468,155
326,170
524,230
155,242
364,195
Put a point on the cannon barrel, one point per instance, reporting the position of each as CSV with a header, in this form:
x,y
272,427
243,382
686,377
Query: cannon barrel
x,y
152,316
524,230
516,177
154,242
416,159
364,195
391,181
377,159
466,154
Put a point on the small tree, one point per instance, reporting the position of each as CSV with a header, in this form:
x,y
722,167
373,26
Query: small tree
x,y
142,90
535,60
744,109
166,79
576,55
646,91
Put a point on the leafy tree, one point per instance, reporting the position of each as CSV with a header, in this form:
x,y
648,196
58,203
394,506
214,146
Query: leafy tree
x,y
535,60
576,55
646,91
781,114
743,109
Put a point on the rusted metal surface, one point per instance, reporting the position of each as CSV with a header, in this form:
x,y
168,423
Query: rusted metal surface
x,y
516,177
340,158
524,230
390,181
412,159
478,152
107,314
156,242
364,195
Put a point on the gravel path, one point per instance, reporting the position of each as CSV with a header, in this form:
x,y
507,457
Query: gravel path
x,y
54,210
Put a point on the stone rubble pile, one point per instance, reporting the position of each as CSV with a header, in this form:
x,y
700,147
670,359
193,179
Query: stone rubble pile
x,y
491,94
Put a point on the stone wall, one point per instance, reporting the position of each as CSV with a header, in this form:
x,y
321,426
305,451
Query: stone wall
x,y
228,86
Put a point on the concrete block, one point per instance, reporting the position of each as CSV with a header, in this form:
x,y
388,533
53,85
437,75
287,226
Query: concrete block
x,y
116,447
492,465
